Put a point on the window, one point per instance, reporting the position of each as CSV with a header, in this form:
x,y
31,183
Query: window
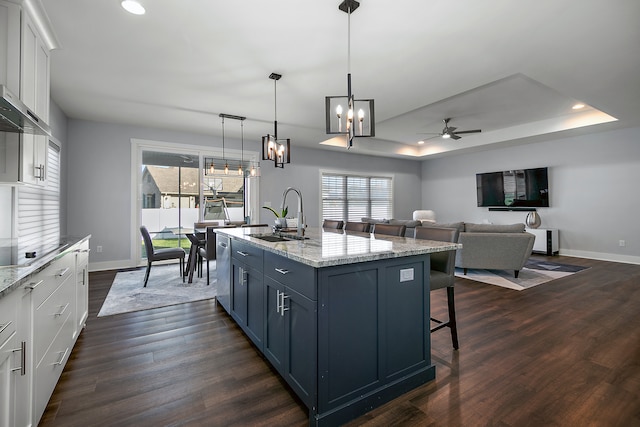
x,y
351,197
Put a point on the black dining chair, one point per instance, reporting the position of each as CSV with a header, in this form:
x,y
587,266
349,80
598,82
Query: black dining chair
x,y
332,223
442,274
159,254
208,251
363,227
390,229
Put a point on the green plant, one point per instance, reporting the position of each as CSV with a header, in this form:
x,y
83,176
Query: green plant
x,y
282,214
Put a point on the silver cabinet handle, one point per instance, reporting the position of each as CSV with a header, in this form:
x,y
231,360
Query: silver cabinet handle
x,y
277,301
222,245
282,307
61,312
63,272
32,286
61,359
243,276
5,326
242,253
23,358
282,271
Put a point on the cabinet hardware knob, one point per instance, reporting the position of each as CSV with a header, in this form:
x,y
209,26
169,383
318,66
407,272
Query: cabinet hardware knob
x,y
242,253
282,270
61,312
63,272
23,358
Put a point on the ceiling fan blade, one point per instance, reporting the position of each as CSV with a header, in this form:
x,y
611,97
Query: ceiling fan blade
x,y
470,131
454,136
451,128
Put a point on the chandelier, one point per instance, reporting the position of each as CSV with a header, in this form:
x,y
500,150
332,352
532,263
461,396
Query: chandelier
x,y
346,115
278,150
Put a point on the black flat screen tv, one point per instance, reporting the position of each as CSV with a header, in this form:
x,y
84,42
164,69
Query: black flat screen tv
x,y
520,188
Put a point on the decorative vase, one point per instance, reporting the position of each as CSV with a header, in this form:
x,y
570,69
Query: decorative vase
x,y
533,220
281,223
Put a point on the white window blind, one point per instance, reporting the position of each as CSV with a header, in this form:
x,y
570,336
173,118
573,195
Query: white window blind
x,y
39,210
351,197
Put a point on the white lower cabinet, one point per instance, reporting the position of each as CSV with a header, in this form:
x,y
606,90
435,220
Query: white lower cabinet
x,y
39,325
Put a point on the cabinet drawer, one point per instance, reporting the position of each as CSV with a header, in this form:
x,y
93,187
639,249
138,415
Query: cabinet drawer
x,y
47,373
48,280
50,316
297,276
8,317
248,254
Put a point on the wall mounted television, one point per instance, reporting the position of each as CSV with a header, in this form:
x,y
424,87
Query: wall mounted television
x,y
519,188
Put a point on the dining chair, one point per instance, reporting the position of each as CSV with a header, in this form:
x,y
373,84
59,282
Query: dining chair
x,y
208,251
364,227
332,223
390,229
442,274
159,254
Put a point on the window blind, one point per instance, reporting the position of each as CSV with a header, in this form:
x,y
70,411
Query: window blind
x,y
39,210
351,197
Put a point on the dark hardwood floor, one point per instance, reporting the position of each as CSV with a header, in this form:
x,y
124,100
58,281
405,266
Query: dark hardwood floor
x,y
565,353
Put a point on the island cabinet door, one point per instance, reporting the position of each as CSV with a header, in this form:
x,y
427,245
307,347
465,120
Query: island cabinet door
x,y
247,301
290,338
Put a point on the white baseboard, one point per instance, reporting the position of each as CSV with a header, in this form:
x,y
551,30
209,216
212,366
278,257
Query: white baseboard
x,y
111,265
627,259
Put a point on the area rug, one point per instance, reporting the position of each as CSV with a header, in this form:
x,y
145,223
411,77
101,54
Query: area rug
x,y
533,274
164,288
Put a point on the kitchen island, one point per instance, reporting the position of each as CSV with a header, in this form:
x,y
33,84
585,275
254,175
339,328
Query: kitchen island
x,y
342,316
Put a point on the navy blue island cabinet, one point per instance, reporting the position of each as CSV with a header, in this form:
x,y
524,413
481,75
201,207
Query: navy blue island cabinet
x,y
346,337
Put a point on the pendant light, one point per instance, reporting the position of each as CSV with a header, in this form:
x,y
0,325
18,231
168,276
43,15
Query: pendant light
x,y
335,106
278,150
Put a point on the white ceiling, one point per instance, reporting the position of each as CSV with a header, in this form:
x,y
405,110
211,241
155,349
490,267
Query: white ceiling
x,y
510,68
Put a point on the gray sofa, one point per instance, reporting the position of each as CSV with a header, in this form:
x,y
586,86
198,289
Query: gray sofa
x,y
492,246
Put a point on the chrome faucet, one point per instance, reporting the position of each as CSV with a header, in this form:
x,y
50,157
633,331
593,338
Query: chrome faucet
x,y
301,225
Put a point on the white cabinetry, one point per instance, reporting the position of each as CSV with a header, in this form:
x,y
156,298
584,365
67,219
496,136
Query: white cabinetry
x,y
9,360
82,287
39,324
546,240
10,46
24,70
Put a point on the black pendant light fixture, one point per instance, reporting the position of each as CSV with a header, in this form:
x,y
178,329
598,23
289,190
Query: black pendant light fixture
x,y
346,115
278,150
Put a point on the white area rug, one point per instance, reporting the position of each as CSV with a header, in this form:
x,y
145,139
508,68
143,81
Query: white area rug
x,y
533,274
164,288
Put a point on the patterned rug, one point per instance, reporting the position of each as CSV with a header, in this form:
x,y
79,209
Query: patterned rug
x,y
164,288
533,274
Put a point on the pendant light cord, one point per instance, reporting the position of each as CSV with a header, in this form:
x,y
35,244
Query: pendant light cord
x,y
223,158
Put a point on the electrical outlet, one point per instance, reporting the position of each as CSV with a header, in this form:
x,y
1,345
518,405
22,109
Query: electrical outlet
x,y
622,243
406,274
99,249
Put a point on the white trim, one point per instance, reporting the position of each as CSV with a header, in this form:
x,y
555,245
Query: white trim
x,y
627,259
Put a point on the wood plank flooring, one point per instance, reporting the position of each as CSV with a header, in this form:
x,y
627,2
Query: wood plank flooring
x,y
566,353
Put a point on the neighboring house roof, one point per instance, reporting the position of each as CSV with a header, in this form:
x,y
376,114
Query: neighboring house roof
x,y
166,179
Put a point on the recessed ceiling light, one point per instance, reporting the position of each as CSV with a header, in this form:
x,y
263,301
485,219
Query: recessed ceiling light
x,y
420,142
578,106
132,6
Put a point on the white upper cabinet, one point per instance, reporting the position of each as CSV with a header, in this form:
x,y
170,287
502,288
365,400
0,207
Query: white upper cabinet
x,y
34,79
10,46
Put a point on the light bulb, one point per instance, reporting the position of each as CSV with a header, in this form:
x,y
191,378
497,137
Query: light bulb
x,y
446,136
226,169
253,171
361,115
211,168
339,111
239,170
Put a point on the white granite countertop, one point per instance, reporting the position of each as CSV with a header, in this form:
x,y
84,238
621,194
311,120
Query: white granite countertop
x,y
12,276
325,247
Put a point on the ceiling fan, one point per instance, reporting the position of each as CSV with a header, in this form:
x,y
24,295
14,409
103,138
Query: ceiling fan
x,y
450,131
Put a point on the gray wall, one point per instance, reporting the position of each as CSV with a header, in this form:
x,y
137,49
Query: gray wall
x,y
99,182
593,185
